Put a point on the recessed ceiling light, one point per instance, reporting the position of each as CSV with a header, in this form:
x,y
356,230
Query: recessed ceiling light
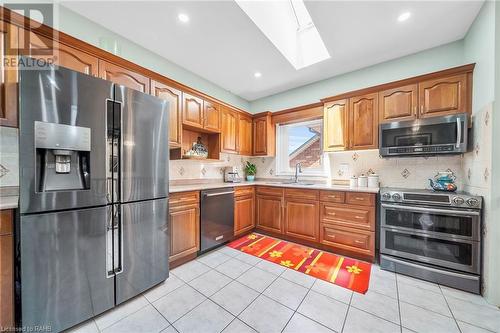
x,y
183,18
257,74
404,16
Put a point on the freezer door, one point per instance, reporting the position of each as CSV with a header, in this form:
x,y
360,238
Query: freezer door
x,y
68,109
63,268
144,142
144,246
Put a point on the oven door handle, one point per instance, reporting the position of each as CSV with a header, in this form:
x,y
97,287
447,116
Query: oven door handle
x,y
432,210
459,133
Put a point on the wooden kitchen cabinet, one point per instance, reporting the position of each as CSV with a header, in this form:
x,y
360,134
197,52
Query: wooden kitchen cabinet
x,y
211,114
264,135
6,270
302,219
269,209
348,239
8,74
229,131
443,96
244,209
64,55
244,135
363,122
123,76
184,216
335,125
399,103
174,98
192,107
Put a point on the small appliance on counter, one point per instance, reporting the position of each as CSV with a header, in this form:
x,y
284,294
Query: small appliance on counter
x,y
232,175
434,236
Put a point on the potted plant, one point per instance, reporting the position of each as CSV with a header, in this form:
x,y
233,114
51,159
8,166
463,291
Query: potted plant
x,y
250,170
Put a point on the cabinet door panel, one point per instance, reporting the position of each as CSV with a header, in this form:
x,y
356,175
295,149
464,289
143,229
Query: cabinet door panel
x,y
245,135
8,74
398,103
335,125
302,219
123,76
269,213
229,132
363,122
264,141
184,231
353,240
212,116
193,111
350,216
443,96
174,98
244,211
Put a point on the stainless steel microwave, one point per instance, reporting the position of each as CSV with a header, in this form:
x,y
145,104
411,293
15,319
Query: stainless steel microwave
x,y
430,136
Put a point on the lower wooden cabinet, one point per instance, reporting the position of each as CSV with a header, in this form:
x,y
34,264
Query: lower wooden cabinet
x,y
302,219
244,210
6,271
348,239
269,212
184,215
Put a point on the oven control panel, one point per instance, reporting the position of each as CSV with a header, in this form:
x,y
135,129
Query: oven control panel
x,y
429,197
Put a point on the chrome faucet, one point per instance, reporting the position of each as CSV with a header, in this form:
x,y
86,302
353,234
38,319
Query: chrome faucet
x,y
298,169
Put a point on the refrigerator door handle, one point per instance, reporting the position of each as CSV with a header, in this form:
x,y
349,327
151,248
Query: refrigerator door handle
x,y
118,240
109,244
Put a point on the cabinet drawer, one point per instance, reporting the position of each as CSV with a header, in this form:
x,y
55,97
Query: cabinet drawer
x,y
332,196
269,190
358,198
184,198
6,222
348,238
243,191
301,193
356,217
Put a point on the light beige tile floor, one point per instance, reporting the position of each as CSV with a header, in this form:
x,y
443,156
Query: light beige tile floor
x,y
229,291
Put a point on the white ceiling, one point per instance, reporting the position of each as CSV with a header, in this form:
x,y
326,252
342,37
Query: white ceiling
x,y
221,44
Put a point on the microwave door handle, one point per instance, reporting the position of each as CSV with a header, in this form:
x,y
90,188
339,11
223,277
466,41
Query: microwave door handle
x,y
459,133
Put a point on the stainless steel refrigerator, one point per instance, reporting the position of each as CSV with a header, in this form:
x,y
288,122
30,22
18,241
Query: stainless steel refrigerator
x,y
92,230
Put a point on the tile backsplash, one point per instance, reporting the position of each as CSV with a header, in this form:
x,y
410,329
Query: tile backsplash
x,y
196,169
9,157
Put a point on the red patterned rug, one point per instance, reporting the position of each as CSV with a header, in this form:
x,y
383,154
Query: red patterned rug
x,y
346,272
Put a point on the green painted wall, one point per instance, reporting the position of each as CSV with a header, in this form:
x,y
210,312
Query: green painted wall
x,y
441,57
95,34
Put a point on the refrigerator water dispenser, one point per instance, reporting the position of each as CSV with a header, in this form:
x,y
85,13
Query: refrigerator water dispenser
x,y
62,157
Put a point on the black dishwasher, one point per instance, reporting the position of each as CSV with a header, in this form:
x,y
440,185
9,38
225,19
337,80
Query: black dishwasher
x,y
217,217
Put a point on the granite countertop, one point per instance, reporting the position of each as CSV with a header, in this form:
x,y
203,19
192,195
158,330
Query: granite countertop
x,y
318,186
9,202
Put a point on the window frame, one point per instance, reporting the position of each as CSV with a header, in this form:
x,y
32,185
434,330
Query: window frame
x,y
282,161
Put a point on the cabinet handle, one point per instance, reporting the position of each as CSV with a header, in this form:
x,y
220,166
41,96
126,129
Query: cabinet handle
x,y
415,110
357,241
358,217
359,198
332,214
421,109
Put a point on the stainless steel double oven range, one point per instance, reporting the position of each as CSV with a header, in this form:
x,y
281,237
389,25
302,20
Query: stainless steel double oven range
x,y
435,236
92,230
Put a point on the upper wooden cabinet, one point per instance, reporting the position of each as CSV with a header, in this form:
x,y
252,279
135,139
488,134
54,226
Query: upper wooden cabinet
x,y
398,103
192,107
443,96
64,55
123,76
335,116
264,136
363,122
229,130
174,98
244,135
211,114
8,74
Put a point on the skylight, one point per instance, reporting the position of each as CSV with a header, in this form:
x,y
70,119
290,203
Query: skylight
x,y
288,25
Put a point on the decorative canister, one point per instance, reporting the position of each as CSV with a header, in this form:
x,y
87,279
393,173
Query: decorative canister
x,y
362,181
373,180
353,182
